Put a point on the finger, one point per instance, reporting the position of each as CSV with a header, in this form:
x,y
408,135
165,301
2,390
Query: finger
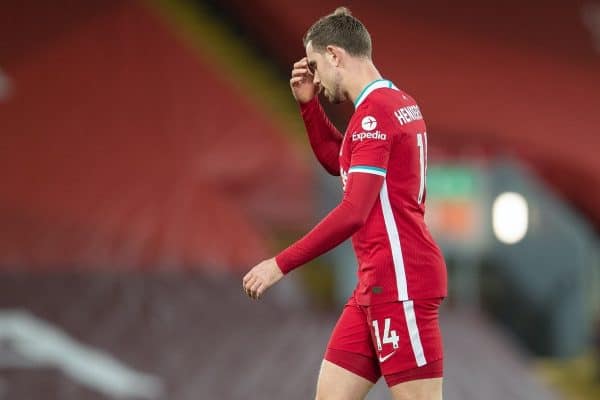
x,y
252,289
300,71
248,289
260,291
249,292
248,276
250,281
297,80
256,288
303,76
301,63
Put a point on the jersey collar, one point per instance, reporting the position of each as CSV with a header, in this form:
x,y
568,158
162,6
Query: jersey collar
x,y
376,84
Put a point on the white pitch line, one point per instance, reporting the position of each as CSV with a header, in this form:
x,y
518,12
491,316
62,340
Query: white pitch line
x,y
43,344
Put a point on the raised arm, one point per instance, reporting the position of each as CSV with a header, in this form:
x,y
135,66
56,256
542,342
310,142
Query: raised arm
x,y
324,138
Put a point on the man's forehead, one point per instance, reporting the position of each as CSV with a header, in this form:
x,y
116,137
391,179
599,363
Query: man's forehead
x,y
311,55
309,50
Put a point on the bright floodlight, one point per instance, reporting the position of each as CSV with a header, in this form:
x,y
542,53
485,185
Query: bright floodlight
x,y
510,217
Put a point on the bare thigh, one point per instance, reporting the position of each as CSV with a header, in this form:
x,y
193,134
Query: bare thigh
x,y
421,389
337,383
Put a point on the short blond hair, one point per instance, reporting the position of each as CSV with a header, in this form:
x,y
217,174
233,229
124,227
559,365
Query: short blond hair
x,y
340,29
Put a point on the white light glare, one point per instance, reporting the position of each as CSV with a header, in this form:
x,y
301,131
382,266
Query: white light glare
x,y
510,217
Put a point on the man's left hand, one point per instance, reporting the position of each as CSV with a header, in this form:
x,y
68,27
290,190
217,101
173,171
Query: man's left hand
x,y
261,277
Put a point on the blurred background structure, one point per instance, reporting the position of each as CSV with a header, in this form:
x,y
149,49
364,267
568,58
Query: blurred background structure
x,y
151,153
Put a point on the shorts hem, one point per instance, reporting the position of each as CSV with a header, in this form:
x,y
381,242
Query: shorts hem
x,y
433,369
341,358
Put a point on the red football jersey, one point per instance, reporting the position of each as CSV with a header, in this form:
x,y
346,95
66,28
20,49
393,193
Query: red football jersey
x,y
398,259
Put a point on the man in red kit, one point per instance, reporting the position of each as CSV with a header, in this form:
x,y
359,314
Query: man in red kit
x,y
390,324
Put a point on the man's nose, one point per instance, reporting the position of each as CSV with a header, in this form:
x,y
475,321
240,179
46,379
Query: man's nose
x,y
316,79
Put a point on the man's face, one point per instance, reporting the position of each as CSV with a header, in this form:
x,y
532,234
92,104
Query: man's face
x,y
325,74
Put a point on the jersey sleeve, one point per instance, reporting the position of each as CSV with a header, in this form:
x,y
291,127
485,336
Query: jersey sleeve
x,y
371,143
340,224
324,138
370,151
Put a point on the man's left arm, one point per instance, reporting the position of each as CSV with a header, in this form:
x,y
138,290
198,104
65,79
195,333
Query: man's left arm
x,y
340,224
368,167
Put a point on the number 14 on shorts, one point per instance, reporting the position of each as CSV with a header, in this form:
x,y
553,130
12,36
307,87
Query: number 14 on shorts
x,y
389,336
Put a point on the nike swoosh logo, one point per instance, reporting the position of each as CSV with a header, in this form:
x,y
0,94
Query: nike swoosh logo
x,y
383,359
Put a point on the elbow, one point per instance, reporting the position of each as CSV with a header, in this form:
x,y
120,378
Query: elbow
x,y
333,171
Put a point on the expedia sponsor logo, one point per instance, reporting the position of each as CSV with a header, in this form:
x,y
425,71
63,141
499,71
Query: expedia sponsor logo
x,y
359,137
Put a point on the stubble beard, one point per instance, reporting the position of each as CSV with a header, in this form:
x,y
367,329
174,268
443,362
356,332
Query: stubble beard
x,y
335,96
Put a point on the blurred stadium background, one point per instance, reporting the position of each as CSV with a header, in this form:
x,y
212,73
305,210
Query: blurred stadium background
x,y
151,153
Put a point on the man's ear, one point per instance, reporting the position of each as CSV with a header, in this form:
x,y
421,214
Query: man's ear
x,y
336,54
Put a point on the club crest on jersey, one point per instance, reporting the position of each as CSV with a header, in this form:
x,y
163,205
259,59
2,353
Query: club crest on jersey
x,y
344,176
369,123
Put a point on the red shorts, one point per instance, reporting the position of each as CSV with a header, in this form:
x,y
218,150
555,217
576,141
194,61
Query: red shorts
x,y
401,341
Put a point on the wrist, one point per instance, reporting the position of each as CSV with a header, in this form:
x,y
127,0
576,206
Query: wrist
x,y
282,263
310,103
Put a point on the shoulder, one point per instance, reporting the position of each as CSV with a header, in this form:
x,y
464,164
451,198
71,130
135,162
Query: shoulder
x,y
379,106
